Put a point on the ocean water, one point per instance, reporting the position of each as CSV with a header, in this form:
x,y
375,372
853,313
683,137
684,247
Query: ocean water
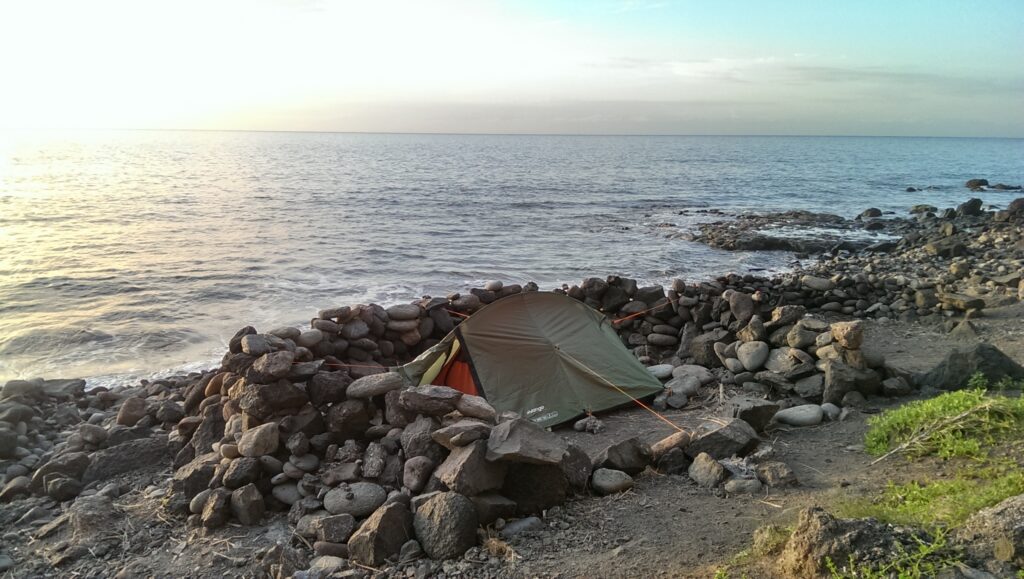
x,y
130,253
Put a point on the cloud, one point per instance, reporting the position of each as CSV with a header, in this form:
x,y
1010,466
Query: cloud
x,y
896,78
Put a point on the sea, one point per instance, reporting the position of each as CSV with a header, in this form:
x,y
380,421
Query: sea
x,y
133,254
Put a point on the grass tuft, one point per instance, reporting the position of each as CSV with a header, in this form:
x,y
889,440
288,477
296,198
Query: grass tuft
x,y
927,560
962,423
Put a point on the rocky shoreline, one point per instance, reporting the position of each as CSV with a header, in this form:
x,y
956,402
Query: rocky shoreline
x,y
303,436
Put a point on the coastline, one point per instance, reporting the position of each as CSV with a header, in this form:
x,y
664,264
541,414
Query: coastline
x,y
946,270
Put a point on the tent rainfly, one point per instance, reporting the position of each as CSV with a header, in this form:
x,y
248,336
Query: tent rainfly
x,y
543,355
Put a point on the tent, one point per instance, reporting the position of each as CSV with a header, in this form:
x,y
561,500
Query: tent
x,y
546,356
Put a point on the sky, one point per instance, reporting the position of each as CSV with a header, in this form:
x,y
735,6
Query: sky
x,y
887,67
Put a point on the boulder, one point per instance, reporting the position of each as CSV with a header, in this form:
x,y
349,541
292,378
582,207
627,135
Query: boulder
x,y
631,456
954,372
520,440
818,537
416,472
461,433
261,440
608,481
132,410
349,419
356,499
446,525
466,470
756,412
849,334
475,407
535,487
375,384
752,355
189,480
492,506
734,438
126,457
702,374
274,365
247,504
429,400
382,535
327,387
706,471
803,415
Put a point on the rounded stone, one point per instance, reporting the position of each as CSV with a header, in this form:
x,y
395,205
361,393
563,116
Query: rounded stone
x,y
803,415
287,493
752,355
357,499
606,481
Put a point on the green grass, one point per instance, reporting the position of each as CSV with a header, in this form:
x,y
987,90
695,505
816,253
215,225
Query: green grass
x,y
962,423
927,560
939,503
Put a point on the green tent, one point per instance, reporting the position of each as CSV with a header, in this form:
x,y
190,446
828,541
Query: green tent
x,y
546,356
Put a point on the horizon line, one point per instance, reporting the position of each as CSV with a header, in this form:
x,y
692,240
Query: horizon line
x,y
491,134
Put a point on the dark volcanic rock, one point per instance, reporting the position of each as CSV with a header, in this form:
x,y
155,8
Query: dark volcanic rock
x,y
954,372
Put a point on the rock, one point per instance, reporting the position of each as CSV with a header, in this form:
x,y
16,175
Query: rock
x,y
803,415
606,481
445,525
416,472
492,506
660,371
520,440
189,480
132,410
848,334
382,535
831,411
217,509
954,372
247,504
961,302
255,345
811,387
241,472
702,348
576,466
674,461
839,379
461,433
475,407
970,208
818,284
287,493
706,471
375,385
126,457
753,331
896,386
756,412
535,487
776,474
356,499
631,456
334,528
700,373
429,400
976,183
92,434
466,470
742,307
264,400
417,440
742,486
996,532
261,440
404,312
71,465
685,385
524,525
752,355
274,365
15,487
735,438
349,419
789,361
818,536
